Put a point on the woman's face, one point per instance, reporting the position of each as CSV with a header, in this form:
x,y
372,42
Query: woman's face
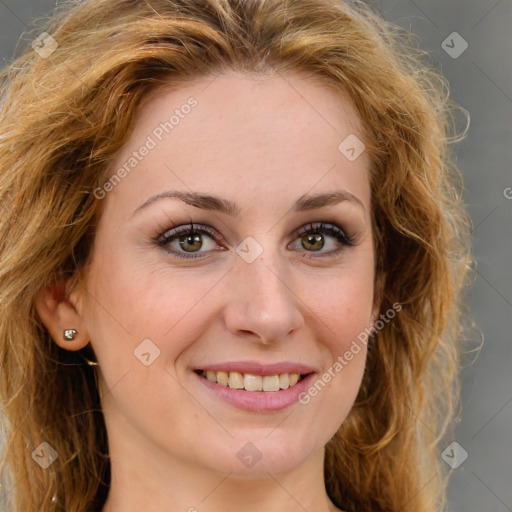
x,y
247,290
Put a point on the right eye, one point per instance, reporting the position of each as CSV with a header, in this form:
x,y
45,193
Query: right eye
x,y
185,241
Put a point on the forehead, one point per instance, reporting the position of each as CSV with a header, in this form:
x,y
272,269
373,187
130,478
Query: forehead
x,y
277,134
268,102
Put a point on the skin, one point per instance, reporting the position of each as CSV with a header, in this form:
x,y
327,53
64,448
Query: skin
x,y
261,141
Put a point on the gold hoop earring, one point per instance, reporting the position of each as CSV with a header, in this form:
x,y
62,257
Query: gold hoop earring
x,y
90,363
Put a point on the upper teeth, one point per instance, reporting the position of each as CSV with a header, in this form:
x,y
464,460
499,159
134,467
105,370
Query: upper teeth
x,y
251,382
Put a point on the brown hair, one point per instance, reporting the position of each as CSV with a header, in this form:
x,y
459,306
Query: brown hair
x,y
64,118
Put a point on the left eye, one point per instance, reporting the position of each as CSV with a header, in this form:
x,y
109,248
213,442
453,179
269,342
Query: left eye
x,y
313,236
189,239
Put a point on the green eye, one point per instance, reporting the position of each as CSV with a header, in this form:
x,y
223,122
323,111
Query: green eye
x,y
313,237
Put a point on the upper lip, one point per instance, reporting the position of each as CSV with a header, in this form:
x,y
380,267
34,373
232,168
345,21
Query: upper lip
x,y
257,368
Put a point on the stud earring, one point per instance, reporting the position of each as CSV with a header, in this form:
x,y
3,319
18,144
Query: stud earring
x,y
70,334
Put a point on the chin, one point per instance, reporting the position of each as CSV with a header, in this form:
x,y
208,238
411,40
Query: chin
x,y
259,453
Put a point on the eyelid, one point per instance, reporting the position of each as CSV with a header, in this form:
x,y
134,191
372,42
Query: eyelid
x,y
186,228
332,229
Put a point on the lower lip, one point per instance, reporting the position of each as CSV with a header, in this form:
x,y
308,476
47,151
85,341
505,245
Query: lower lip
x,y
258,401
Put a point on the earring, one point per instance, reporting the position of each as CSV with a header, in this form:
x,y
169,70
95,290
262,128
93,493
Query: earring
x,y
70,334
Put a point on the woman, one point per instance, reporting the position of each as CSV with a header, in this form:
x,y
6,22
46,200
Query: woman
x,y
232,252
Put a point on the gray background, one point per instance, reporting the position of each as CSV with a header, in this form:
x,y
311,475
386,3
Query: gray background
x,y
480,81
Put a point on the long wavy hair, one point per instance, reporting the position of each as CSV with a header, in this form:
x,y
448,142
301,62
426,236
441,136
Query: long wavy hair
x,y
65,116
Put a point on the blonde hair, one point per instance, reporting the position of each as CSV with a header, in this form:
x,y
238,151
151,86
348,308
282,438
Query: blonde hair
x,y
64,117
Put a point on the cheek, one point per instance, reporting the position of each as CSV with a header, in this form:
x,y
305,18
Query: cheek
x,y
345,324
132,301
342,307
343,301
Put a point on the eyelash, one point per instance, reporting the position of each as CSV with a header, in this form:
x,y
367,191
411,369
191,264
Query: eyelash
x,y
313,228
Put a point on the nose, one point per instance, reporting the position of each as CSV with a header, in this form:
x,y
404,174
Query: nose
x,y
262,301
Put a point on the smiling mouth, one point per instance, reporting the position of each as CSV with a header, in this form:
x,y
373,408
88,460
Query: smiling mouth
x,y
252,382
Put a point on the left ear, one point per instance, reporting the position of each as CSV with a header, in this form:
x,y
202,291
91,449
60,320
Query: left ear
x,y
59,314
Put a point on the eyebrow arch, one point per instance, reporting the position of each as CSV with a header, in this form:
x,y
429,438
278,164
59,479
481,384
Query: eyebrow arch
x,y
218,204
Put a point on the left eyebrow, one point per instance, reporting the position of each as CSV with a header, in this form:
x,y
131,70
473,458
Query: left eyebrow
x,y
219,204
305,202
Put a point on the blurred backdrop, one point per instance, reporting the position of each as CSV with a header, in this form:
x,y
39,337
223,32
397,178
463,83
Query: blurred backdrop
x,y
470,42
